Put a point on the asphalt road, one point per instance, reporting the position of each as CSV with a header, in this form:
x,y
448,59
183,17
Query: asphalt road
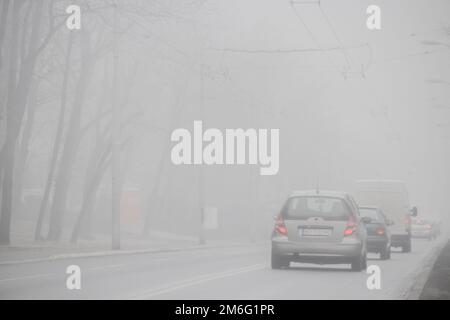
x,y
224,273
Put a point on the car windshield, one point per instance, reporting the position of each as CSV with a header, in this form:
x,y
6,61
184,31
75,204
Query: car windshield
x,y
370,213
328,208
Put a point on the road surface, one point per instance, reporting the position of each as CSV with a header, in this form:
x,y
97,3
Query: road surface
x,y
239,272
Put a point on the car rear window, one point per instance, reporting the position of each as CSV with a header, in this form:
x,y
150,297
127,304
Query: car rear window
x,y
328,208
370,213
421,222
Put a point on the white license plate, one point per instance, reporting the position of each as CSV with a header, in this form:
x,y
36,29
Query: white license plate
x,y
306,232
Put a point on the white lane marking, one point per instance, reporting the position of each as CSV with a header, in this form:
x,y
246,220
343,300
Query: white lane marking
x,y
195,281
55,274
27,277
106,267
126,264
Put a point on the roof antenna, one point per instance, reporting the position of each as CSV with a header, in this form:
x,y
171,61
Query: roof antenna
x,y
317,185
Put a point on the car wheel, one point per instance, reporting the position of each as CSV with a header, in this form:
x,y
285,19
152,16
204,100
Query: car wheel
x,y
385,254
359,262
278,262
407,247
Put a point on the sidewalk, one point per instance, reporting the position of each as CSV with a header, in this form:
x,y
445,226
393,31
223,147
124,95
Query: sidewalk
x,y
437,286
28,251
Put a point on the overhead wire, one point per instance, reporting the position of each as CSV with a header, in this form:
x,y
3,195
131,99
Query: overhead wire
x,y
313,37
333,30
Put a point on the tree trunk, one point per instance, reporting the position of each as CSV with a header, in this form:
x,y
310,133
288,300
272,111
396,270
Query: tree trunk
x,y
56,144
3,20
8,149
97,170
16,104
175,117
7,186
22,154
70,146
156,185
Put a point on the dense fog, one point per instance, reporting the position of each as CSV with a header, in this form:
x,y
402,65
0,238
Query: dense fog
x,y
350,103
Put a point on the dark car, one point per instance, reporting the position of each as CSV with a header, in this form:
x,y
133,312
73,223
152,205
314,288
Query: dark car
x,y
378,234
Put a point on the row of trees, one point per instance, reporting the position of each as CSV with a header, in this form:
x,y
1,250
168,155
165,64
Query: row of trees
x,y
50,77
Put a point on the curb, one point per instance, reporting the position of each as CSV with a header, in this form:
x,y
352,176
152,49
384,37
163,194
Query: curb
x,y
124,252
421,273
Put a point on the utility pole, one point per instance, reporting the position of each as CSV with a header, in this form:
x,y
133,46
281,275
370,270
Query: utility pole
x,y
115,171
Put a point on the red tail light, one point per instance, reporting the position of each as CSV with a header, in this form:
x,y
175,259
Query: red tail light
x,y
349,232
380,231
280,227
407,219
429,227
351,227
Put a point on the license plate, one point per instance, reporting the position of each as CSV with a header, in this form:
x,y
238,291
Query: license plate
x,y
306,232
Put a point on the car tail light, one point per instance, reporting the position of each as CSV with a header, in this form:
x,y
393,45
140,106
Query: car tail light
x,y
380,231
428,226
280,227
407,219
351,226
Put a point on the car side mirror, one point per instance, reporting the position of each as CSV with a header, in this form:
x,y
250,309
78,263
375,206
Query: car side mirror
x,y
414,211
366,220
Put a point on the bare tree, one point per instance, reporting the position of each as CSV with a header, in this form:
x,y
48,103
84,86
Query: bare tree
x,y
23,150
3,20
71,141
57,142
20,77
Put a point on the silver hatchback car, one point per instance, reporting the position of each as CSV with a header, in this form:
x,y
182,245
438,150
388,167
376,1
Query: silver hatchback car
x,y
322,227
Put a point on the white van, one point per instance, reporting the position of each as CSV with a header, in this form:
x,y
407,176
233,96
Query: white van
x,y
392,197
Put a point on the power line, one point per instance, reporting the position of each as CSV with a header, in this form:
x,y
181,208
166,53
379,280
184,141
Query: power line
x,y
335,34
411,55
311,34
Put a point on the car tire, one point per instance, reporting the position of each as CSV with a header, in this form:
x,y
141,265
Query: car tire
x,y
385,254
278,262
359,263
406,247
